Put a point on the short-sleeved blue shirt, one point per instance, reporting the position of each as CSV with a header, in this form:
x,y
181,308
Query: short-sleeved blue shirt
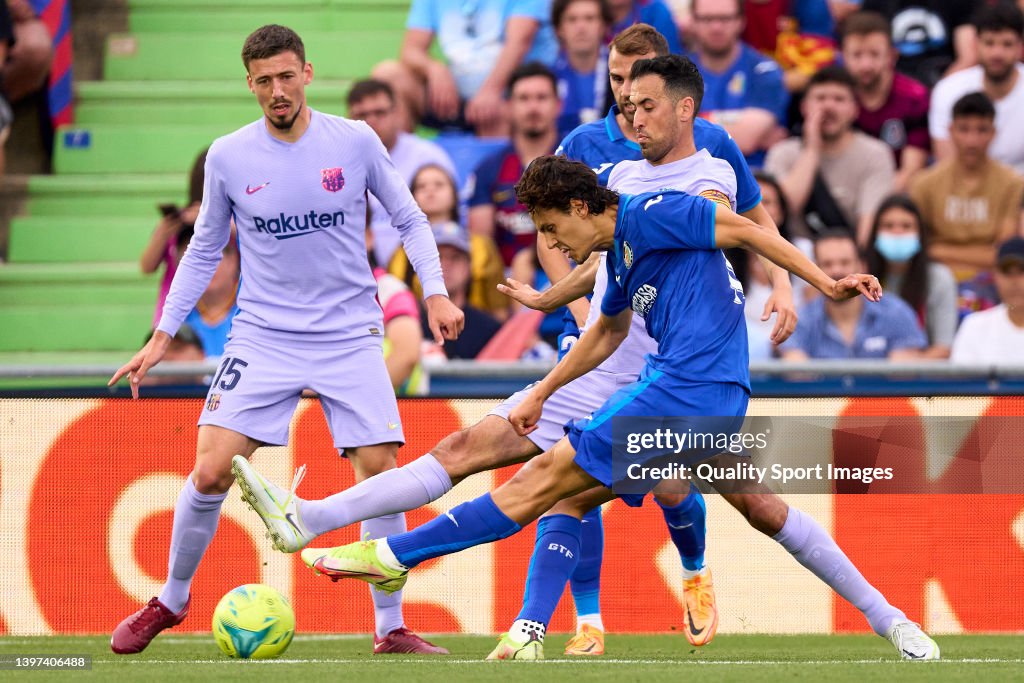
x,y
884,327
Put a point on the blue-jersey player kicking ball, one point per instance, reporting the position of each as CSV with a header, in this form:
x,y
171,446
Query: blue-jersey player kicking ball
x,y
665,262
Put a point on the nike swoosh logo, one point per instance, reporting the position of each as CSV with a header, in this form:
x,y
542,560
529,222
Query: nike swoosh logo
x,y
249,189
449,516
693,627
911,655
288,516
683,526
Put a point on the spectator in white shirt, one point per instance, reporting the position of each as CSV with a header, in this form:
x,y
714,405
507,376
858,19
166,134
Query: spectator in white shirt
x,y
996,336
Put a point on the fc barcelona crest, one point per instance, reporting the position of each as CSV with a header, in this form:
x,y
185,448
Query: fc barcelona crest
x,y
213,402
332,179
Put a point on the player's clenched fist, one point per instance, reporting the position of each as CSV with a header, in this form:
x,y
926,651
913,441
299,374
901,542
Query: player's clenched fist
x,y
525,416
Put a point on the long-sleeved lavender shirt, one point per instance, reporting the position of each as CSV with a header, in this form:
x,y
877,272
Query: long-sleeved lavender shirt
x,y
300,211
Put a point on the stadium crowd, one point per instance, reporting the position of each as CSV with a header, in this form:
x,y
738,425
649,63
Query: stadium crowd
x,y
885,136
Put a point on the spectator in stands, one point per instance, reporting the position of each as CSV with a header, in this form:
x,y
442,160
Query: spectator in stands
x,y
996,336
852,329
212,316
832,176
482,41
373,101
893,107
403,336
999,74
494,210
582,64
656,13
934,37
6,41
29,55
970,202
897,254
435,193
164,246
453,246
743,89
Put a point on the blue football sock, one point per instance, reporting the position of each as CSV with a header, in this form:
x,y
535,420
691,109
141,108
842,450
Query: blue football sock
x,y
464,526
686,526
554,557
585,582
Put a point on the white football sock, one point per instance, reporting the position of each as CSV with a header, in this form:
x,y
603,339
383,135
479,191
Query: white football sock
x,y
422,481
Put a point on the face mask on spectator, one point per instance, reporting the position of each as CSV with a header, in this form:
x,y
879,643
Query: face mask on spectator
x,y
897,248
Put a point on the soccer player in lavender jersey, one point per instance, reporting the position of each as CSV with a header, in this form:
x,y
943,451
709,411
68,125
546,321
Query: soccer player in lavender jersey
x,y
664,262
295,182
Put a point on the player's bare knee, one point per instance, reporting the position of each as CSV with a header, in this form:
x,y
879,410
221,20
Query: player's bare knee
x,y
669,500
453,453
210,479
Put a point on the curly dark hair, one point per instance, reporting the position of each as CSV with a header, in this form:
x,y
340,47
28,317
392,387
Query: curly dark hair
x,y
270,41
552,182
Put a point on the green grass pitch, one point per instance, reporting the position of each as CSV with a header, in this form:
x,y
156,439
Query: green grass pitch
x,y
746,658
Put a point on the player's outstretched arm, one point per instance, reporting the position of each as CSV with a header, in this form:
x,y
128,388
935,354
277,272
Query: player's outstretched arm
x,y
593,348
578,283
136,369
780,301
732,230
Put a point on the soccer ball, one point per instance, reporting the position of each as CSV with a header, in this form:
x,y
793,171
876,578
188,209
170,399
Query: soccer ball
x,y
253,622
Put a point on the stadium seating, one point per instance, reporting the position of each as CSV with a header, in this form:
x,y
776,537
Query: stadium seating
x,y
152,16
195,103
216,56
72,290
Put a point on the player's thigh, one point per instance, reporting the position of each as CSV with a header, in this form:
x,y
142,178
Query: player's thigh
x,y
356,395
489,444
542,482
215,448
582,503
255,390
573,401
370,460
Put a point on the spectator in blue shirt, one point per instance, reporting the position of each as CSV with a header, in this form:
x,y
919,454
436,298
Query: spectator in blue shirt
x,y
656,13
845,330
482,41
743,89
582,64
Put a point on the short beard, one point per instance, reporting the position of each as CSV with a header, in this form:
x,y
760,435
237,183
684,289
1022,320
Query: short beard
x,y
872,86
287,125
653,154
1000,78
534,133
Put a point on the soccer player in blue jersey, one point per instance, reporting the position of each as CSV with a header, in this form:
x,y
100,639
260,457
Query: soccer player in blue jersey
x,y
295,183
664,262
602,145
660,88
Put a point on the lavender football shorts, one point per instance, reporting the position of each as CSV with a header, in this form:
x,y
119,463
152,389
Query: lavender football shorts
x,y
576,400
258,385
